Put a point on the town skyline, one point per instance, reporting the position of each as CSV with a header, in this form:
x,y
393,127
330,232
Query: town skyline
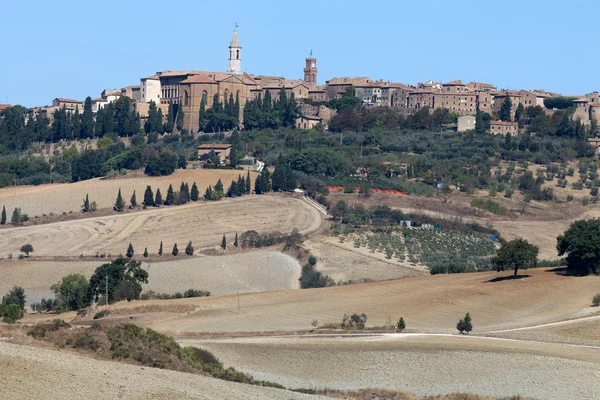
x,y
408,51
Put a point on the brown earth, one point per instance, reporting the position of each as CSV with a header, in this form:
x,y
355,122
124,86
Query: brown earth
x,y
68,197
202,223
421,364
255,271
32,373
541,298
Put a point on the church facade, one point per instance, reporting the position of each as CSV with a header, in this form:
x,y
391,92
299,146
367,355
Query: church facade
x,y
205,85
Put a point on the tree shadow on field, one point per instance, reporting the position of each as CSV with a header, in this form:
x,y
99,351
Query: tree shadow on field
x,y
507,278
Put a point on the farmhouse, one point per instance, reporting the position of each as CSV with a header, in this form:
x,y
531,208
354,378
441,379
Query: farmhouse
x,y
221,150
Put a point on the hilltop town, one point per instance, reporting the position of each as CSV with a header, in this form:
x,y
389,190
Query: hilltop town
x,y
190,92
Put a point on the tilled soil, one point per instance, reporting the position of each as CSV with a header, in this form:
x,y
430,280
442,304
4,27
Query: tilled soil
x,y
32,373
425,366
254,271
202,223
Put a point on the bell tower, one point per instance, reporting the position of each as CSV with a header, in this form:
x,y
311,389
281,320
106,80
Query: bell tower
x,y
235,54
310,71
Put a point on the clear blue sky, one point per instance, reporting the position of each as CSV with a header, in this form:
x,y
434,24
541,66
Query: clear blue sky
x,y
66,49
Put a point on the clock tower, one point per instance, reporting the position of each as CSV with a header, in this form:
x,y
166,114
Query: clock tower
x,y
310,71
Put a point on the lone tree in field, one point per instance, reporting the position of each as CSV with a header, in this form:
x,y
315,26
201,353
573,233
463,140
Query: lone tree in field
x,y
189,250
133,201
465,325
130,251
581,243
235,242
194,194
516,254
119,203
170,199
27,248
160,250
86,204
148,197
3,218
224,242
145,252
125,278
175,250
401,325
158,201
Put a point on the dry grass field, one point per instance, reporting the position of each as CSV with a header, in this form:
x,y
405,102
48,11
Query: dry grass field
x,y
202,223
421,364
68,197
249,272
543,297
32,373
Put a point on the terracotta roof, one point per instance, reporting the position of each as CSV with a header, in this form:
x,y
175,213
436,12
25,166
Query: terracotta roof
x,y
216,146
455,93
504,123
63,100
503,93
4,106
595,105
349,81
153,78
454,83
286,85
131,87
215,77
99,99
310,117
168,73
481,84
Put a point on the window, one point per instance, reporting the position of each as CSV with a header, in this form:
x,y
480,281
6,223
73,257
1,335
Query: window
x,y
237,55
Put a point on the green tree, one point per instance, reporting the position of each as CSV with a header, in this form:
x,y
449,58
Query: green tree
x,y
11,313
194,194
145,252
122,274
86,204
15,296
202,115
519,112
248,183
27,248
87,119
175,250
208,194
3,218
581,243
465,324
152,124
16,217
184,193
170,119
224,242
401,325
130,251
72,292
160,249
235,242
170,196
189,250
505,110
179,119
516,254
158,201
133,201
148,197
119,203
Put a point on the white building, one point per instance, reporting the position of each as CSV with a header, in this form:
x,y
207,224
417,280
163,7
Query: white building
x,y
466,123
150,89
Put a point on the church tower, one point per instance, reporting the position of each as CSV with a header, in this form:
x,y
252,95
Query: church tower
x,y
310,71
235,54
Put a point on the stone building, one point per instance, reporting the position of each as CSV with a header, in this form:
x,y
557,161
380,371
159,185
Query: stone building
x,y
150,89
221,150
499,97
466,123
69,104
504,128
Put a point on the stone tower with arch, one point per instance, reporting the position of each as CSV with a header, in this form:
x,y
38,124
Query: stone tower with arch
x,y
310,71
235,54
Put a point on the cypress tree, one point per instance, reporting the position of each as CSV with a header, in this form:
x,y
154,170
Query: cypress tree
x,y
258,185
224,242
151,122
208,194
87,119
133,201
184,192
236,109
219,186
189,250
3,218
505,109
99,124
235,242
160,250
16,216
159,121
202,115
158,201
248,183
86,204
148,197
179,120
170,196
194,194
232,191
146,252
175,250
130,251
170,119
119,203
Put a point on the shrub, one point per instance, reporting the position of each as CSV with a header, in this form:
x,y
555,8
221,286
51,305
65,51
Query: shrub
x,y
87,341
465,325
39,331
11,313
101,314
596,300
356,321
489,205
401,324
